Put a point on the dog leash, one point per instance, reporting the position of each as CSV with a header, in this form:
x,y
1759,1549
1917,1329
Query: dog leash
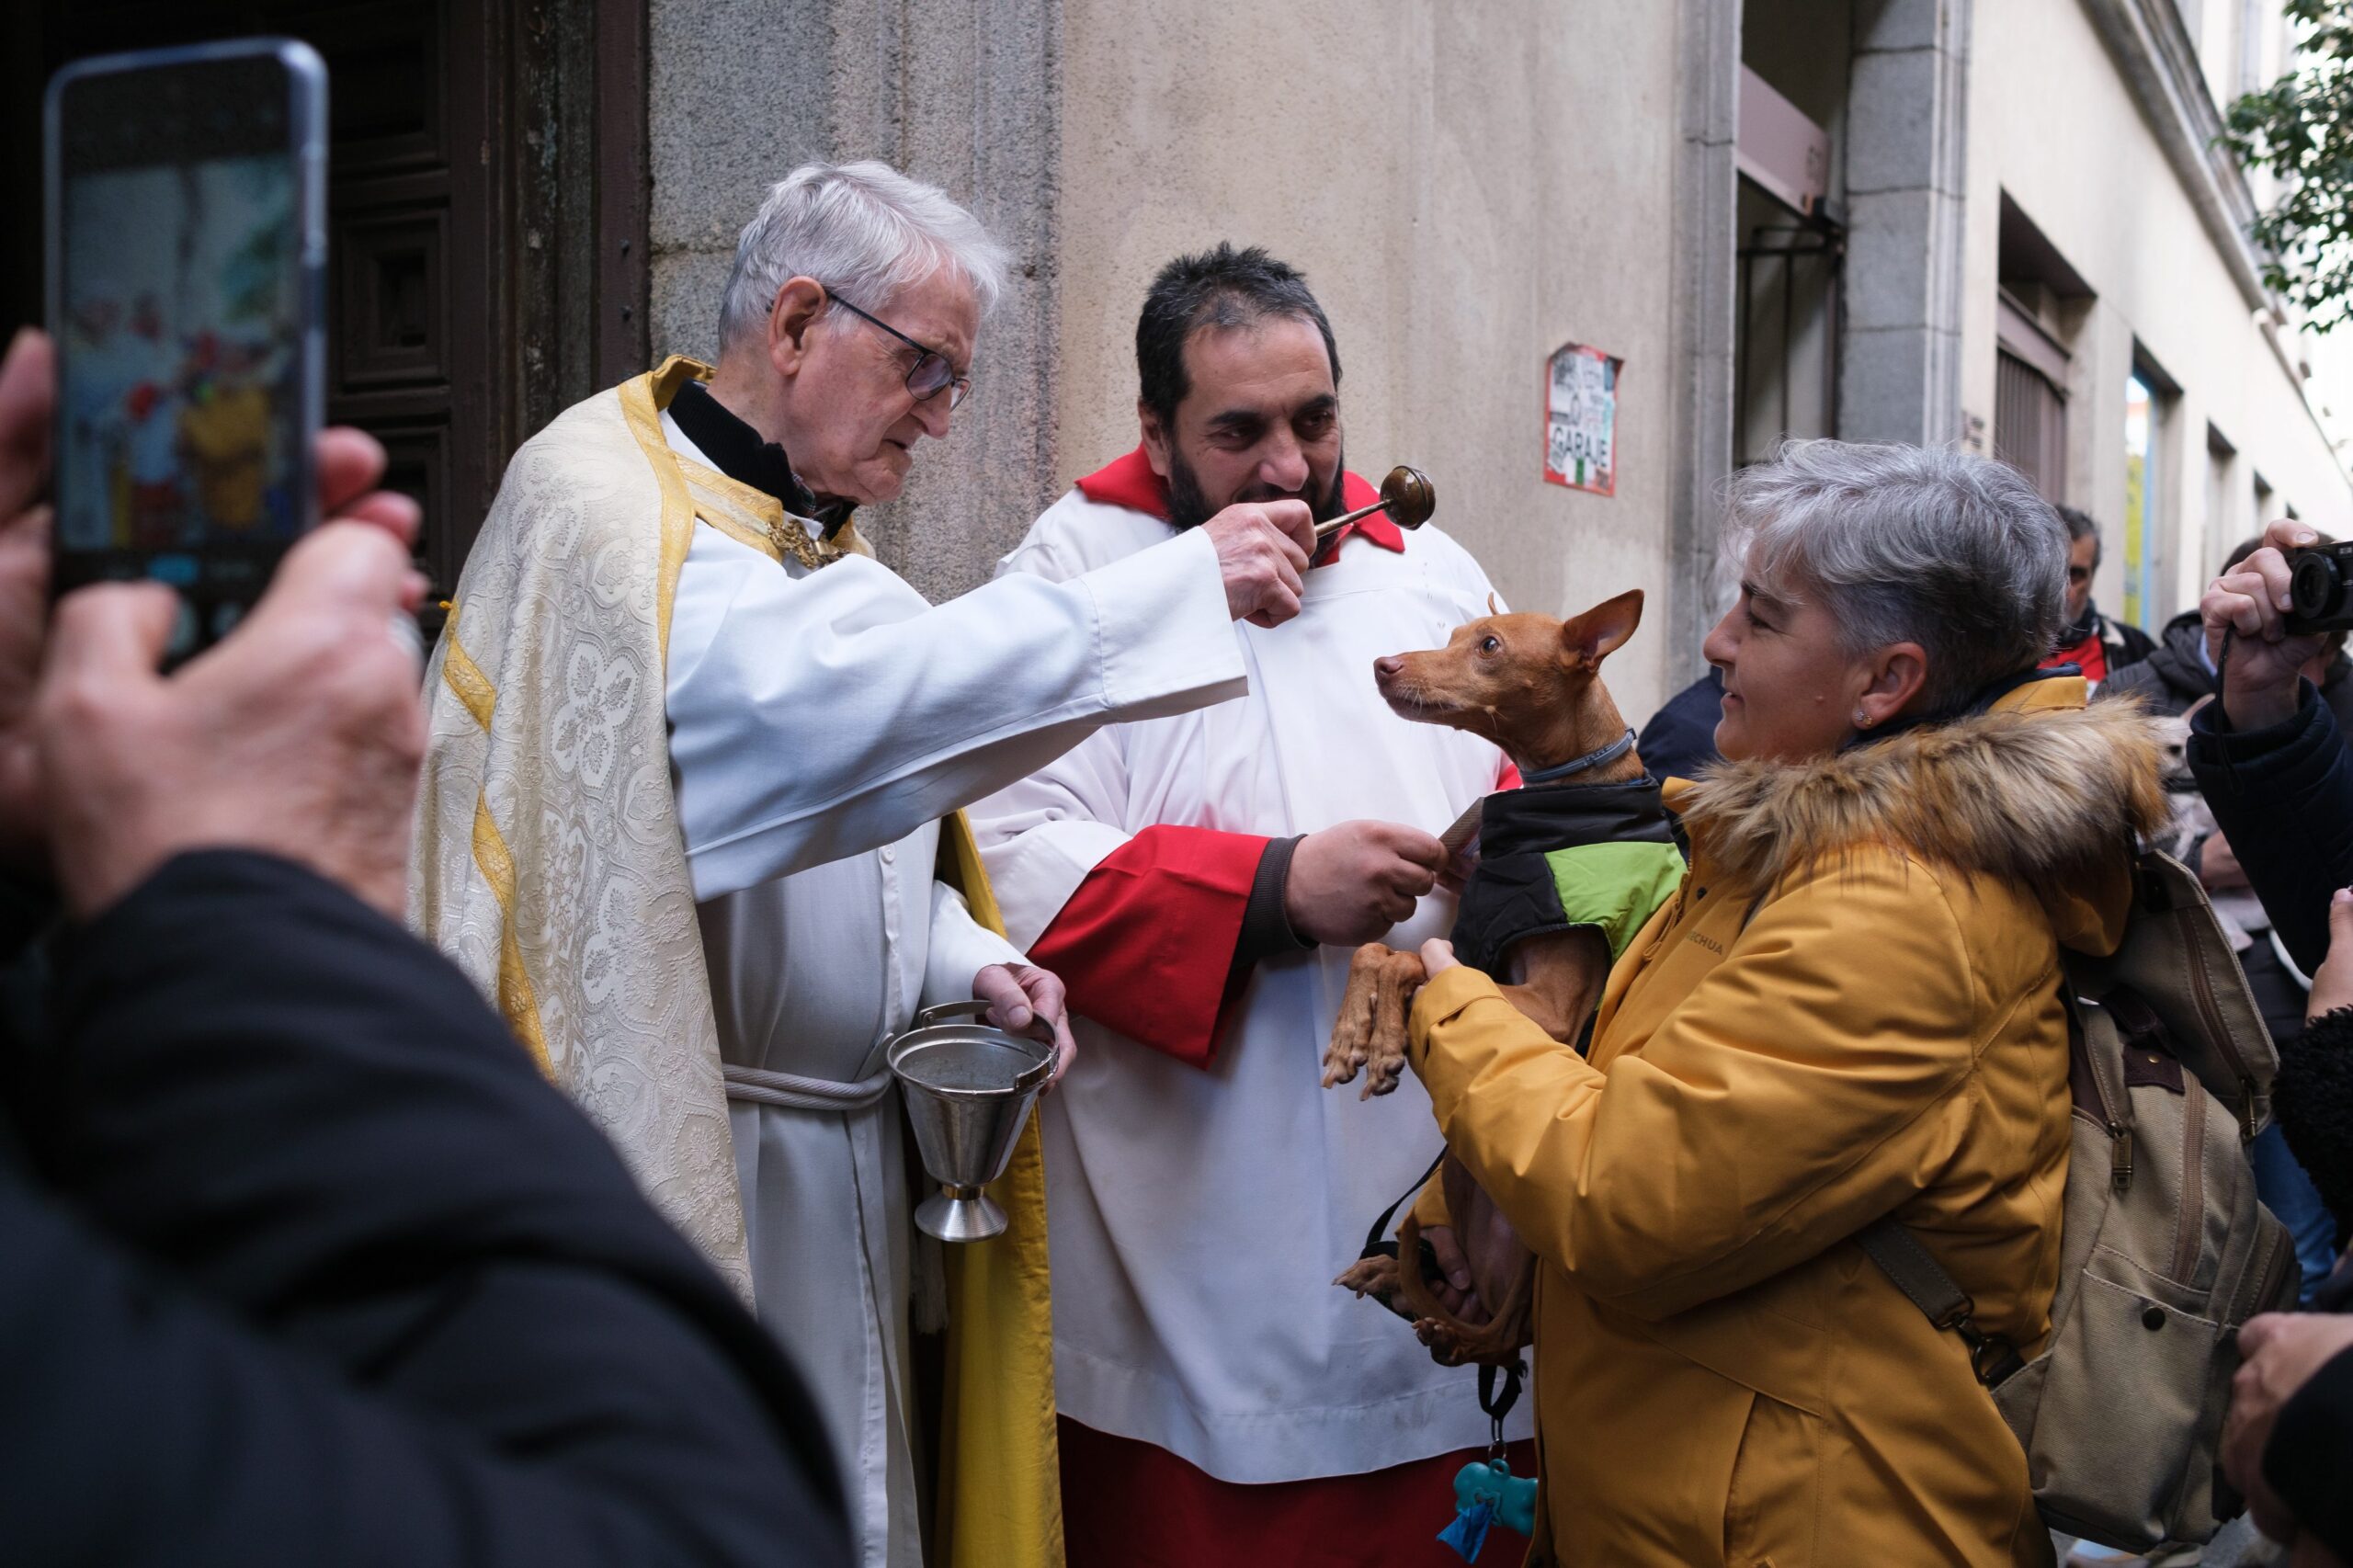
x,y
1598,758
1376,1241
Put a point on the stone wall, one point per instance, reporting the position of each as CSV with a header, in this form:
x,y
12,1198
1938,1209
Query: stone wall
x,y
957,92
1467,188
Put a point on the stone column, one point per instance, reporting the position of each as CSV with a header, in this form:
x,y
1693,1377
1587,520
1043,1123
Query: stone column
x,y
1706,286
1899,362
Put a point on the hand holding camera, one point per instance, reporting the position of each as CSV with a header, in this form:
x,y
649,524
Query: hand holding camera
x,y
2279,604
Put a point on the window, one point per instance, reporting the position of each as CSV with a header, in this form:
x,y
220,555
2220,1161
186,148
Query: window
x,y
2030,399
2030,425
2142,417
1785,376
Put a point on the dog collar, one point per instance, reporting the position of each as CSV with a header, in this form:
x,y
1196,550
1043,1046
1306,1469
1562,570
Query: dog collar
x,y
1608,753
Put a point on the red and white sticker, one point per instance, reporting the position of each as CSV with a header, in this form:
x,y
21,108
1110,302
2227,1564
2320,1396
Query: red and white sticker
x,y
1581,418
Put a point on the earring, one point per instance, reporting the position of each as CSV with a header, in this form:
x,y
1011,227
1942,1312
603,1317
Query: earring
x,y
1862,720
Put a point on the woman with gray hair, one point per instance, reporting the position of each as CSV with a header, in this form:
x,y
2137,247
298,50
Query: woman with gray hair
x,y
1849,1011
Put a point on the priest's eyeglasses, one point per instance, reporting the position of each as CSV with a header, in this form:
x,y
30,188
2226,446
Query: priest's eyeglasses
x,y
931,374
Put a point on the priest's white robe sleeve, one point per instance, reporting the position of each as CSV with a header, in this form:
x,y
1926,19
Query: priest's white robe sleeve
x,y
960,947
818,716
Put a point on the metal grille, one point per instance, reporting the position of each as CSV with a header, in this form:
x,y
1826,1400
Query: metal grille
x,y
1785,379
2031,426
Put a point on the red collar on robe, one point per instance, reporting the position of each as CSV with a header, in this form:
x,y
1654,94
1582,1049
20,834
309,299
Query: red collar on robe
x,y
1129,481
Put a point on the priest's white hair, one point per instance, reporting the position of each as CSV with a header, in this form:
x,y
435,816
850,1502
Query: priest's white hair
x,y
865,231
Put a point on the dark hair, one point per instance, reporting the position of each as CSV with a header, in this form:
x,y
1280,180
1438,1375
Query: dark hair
x,y
1221,288
2078,523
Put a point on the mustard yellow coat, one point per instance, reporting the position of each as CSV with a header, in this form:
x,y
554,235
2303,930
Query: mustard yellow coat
x,y
1849,1008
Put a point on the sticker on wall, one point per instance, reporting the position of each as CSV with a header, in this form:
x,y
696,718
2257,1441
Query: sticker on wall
x,y
1581,418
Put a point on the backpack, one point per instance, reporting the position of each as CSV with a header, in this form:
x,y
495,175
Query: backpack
x,y
2164,1249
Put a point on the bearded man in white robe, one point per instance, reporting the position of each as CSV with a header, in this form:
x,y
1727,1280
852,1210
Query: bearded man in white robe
x,y
682,814
1200,882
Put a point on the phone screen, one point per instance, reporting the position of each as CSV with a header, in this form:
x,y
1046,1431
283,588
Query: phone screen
x,y
184,293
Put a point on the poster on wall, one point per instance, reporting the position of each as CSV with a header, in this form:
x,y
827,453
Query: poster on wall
x,y
1581,418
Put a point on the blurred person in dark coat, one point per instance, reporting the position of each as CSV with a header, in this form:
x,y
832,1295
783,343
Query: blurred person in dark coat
x,y
301,1260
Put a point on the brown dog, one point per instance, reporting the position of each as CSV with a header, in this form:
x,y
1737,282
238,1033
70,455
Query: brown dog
x,y
1531,685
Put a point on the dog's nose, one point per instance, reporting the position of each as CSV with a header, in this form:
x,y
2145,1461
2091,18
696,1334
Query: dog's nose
x,y
1388,667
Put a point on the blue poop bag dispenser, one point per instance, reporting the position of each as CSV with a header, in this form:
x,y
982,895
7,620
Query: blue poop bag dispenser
x,y
1486,1491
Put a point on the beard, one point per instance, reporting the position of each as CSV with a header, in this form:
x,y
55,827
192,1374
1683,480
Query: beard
x,y
1189,508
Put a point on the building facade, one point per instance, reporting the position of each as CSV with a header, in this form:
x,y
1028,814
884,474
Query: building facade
x,y
2001,224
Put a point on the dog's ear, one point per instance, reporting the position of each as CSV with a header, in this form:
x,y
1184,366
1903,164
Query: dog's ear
x,y
1492,608
1603,630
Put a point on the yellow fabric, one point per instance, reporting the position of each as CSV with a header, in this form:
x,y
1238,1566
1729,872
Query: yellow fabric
x,y
1000,1488
548,863
1722,1375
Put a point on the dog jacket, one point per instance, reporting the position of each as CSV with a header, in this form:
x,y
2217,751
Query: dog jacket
x,y
1555,856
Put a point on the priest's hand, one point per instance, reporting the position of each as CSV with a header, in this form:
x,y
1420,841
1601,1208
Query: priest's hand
x,y
299,734
1262,547
1018,994
1350,883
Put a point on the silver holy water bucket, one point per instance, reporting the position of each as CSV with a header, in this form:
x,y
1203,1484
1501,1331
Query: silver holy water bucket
x,y
968,1087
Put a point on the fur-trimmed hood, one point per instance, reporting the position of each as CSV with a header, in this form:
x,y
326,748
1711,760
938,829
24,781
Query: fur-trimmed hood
x,y
2042,792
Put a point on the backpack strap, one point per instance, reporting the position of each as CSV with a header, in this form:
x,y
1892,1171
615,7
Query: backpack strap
x,y
1946,1305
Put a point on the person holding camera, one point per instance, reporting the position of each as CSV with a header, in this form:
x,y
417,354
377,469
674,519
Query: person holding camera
x,y
2173,681
300,1259
2272,763
2268,753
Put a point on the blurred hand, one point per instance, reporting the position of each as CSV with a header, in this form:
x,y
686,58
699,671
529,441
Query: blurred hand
x,y
2259,680
28,394
1350,884
2217,865
299,734
2279,1352
348,461
1438,956
1018,994
1262,547
2333,981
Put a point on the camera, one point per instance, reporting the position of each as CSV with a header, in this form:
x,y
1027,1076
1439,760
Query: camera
x,y
2317,597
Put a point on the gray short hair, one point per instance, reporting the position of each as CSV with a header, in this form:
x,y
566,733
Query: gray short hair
x,y
1910,544
866,231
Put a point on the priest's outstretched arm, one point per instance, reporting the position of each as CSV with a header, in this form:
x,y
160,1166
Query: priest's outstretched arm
x,y
811,719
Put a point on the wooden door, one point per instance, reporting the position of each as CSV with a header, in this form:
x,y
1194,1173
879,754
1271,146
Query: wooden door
x,y
486,197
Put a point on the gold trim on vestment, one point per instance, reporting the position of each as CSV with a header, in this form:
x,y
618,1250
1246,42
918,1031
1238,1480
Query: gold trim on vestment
x,y
464,678
516,998
643,400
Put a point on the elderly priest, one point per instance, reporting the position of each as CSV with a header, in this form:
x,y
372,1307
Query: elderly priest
x,y
690,753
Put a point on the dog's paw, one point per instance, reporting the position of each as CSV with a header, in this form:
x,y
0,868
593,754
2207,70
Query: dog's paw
x,y
1340,1063
1375,1276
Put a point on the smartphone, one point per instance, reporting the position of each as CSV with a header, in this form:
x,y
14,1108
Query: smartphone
x,y
186,242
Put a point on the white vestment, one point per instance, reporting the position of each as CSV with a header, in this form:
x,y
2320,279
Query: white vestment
x,y
816,962
1197,1218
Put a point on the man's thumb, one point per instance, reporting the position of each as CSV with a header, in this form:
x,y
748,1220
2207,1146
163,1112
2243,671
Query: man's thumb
x,y
2340,921
341,565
